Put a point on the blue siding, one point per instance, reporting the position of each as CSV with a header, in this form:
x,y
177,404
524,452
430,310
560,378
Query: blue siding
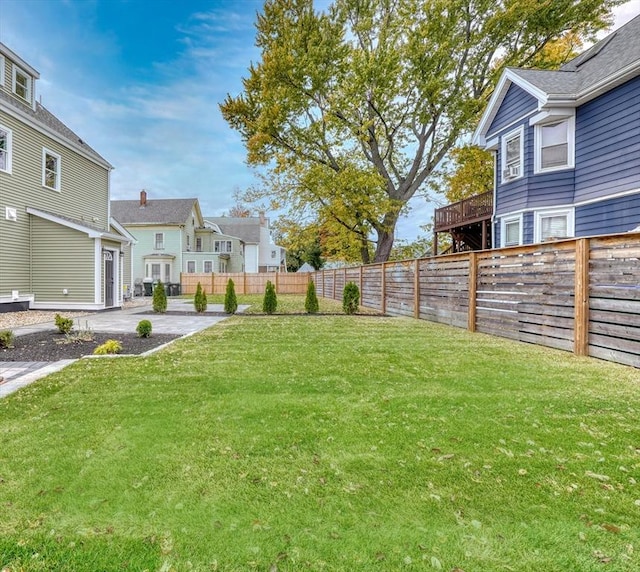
x,y
608,216
527,228
516,104
513,196
608,143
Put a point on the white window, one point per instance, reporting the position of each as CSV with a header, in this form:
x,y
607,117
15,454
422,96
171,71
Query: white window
x,y
159,241
198,244
155,272
5,149
51,165
21,84
513,155
511,231
222,246
167,273
550,224
188,243
208,266
191,266
223,266
554,145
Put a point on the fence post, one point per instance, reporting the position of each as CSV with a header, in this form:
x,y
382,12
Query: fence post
x,y
276,283
416,289
581,300
334,284
473,285
383,289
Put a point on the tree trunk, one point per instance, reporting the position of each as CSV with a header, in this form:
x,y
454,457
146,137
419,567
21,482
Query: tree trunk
x,y
364,251
386,235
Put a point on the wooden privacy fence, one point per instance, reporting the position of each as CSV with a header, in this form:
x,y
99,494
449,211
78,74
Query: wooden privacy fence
x,y
245,283
580,295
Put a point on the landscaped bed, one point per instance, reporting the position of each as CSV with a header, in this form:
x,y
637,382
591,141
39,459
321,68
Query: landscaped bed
x,y
332,443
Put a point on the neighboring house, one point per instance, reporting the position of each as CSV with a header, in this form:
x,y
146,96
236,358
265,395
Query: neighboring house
x,y
172,238
59,247
567,145
261,254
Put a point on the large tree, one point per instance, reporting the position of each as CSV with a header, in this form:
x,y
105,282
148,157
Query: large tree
x,y
383,88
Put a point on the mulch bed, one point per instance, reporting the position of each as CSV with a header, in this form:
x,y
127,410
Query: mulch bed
x,y
53,346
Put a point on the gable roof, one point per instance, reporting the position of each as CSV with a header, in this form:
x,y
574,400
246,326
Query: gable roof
x,y
605,65
246,229
155,211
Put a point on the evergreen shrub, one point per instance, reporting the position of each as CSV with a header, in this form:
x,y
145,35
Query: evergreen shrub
x,y
350,298
7,337
64,325
144,329
109,347
159,298
230,299
311,305
270,301
200,299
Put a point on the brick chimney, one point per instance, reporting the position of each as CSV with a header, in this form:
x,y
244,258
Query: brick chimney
x,y
143,198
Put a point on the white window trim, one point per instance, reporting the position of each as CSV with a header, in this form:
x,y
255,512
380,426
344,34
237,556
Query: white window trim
x,y
195,267
155,241
571,145
9,149
503,229
503,154
58,185
29,98
540,214
2,64
219,243
204,262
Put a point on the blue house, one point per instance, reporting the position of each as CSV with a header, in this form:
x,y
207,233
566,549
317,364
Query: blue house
x,y
567,145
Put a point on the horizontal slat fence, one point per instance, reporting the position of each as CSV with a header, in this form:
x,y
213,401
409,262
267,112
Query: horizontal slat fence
x,y
245,282
580,295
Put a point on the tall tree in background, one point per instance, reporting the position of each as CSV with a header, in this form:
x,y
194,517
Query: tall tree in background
x,y
383,88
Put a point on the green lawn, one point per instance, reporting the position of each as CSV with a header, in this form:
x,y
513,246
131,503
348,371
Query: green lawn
x,y
325,443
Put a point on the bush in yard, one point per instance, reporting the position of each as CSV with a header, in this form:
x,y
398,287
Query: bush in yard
x,y
311,301
159,298
200,299
64,325
350,298
230,299
144,329
109,347
270,301
7,338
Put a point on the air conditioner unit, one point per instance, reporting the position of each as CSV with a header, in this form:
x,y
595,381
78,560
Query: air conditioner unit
x,y
511,172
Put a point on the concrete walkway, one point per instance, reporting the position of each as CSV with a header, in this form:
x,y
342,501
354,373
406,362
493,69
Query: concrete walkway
x,y
19,374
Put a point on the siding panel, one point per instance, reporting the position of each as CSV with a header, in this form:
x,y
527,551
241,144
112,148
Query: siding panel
x,y
516,104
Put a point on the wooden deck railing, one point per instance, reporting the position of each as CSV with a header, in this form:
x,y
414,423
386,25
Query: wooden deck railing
x,y
465,211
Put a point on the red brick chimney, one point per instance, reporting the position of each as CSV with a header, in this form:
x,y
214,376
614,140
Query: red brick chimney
x,y
143,198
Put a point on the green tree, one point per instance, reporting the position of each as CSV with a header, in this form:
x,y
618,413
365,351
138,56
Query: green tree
x,y
311,305
270,300
200,299
230,299
383,89
159,298
350,298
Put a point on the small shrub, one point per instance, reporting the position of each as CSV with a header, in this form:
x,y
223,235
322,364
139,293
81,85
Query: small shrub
x,y
144,329
350,298
78,336
159,298
270,301
230,299
108,348
64,325
311,305
200,299
7,337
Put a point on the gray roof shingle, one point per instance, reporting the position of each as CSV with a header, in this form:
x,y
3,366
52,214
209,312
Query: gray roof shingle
x,y
605,59
158,211
246,229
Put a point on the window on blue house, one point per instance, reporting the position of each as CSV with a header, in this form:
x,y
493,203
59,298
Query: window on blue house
x,y
511,231
551,224
513,155
554,145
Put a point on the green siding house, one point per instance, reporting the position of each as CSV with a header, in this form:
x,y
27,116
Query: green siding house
x,y
59,248
171,238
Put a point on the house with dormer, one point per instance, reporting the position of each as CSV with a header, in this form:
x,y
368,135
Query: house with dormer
x,y
59,246
172,238
567,145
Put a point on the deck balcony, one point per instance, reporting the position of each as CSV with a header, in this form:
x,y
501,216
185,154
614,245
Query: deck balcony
x,y
468,222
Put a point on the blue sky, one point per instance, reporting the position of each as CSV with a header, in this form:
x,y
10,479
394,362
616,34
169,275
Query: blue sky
x,y
141,82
